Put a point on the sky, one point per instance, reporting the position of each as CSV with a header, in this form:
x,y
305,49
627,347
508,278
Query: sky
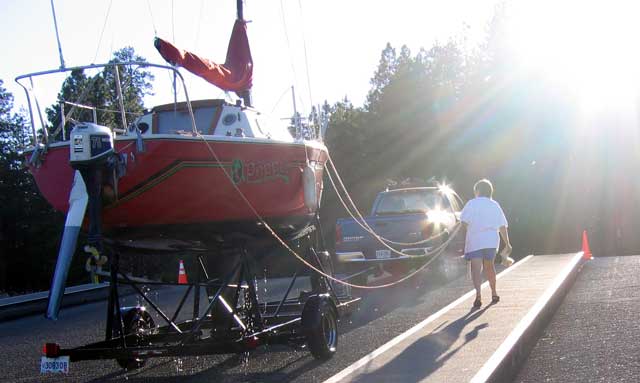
x,y
326,49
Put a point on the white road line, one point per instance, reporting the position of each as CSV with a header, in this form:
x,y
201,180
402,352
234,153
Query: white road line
x,y
485,371
380,350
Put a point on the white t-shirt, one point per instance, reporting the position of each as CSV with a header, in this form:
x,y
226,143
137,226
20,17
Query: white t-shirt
x,y
483,217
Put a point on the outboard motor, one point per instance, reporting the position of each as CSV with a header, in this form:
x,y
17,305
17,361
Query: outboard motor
x,y
91,152
91,155
91,144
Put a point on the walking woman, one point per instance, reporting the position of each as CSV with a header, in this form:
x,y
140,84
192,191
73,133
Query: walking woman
x,y
485,223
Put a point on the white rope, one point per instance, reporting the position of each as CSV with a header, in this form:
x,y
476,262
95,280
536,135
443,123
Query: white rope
x,y
368,228
361,221
435,254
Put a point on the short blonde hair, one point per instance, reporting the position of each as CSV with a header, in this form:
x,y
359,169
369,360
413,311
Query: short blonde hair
x,y
483,188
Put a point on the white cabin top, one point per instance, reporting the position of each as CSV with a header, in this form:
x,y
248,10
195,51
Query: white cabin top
x,y
213,118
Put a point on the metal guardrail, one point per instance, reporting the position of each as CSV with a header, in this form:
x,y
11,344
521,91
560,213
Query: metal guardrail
x,y
29,304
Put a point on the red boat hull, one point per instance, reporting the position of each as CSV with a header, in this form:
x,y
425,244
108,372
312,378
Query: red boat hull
x,y
180,182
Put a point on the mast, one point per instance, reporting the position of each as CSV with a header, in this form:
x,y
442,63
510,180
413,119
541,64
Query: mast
x,y
245,94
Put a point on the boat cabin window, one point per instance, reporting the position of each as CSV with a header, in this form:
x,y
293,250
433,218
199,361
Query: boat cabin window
x,y
179,121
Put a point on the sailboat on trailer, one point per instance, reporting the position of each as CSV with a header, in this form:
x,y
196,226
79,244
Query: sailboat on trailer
x,y
190,171
190,165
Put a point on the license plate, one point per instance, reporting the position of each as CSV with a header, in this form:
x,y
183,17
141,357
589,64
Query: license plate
x,y
58,365
383,254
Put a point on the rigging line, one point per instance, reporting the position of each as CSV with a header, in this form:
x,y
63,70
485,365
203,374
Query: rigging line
x,y
306,60
102,32
286,35
105,110
195,43
153,22
280,99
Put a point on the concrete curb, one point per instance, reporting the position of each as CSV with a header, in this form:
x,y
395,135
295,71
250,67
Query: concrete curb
x,y
505,363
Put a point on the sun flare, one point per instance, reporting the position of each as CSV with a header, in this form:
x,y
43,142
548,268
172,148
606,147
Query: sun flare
x,y
588,47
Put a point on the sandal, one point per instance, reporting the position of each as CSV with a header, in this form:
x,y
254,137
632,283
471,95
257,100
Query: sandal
x,y
495,299
477,303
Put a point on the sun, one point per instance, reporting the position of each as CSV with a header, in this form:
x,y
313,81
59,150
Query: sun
x,y
590,47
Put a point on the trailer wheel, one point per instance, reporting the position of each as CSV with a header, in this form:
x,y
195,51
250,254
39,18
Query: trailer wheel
x,y
320,324
138,324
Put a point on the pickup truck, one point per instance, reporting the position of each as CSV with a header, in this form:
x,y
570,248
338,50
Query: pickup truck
x,y
421,218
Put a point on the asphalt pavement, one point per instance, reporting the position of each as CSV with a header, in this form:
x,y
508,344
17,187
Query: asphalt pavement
x,y
595,334
382,315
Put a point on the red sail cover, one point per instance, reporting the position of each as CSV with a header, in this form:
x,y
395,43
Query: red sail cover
x,y
235,74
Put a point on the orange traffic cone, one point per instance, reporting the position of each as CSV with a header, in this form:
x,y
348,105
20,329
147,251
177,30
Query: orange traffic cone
x,y
182,275
586,252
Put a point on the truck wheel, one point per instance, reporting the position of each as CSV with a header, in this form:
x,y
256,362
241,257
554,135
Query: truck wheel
x,y
320,324
138,325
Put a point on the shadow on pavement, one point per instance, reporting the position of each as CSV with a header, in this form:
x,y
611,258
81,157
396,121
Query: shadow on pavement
x,y
428,353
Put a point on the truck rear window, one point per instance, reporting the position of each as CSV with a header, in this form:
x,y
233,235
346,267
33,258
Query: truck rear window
x,y
411,201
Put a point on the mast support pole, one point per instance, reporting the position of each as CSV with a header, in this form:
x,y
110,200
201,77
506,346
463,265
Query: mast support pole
x,y
239,8
55,24
123,114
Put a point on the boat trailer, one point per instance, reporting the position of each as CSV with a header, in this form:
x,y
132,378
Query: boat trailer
x,y
233,320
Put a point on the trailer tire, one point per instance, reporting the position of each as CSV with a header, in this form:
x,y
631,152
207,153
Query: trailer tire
x,y
139,323
320,325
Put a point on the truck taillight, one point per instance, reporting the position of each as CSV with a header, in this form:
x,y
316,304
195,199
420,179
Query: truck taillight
x,y
338,233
